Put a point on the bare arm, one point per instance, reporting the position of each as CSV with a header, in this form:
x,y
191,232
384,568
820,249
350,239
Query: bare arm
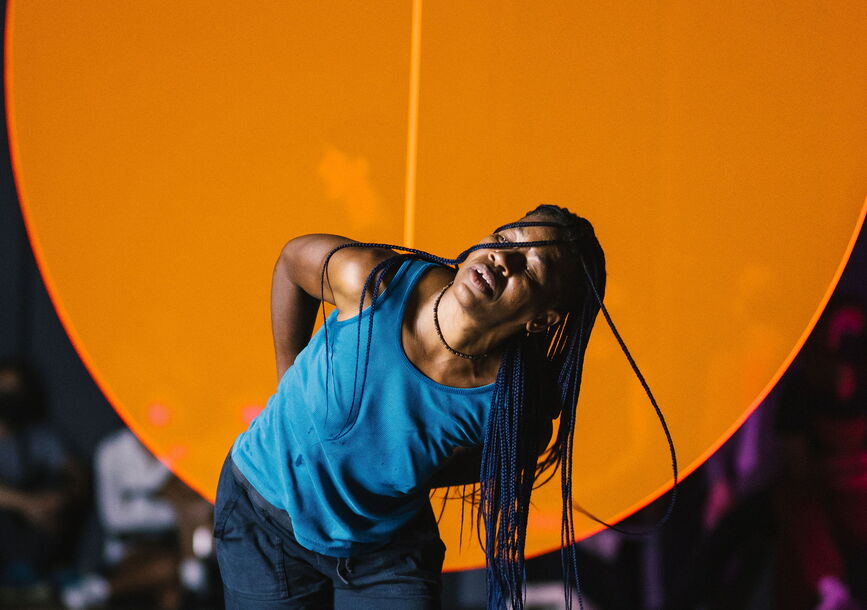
x,y
293,313
296,283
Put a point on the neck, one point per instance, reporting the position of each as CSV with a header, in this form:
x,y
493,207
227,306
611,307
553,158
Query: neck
x,y
439,330
456,331
460,331
426,349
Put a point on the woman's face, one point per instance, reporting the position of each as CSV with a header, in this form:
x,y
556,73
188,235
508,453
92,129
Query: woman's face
x,y
514,286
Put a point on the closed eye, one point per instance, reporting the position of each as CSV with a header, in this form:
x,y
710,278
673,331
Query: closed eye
x,y
502,239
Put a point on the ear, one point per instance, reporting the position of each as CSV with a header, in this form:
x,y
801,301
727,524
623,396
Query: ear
x,y
544,321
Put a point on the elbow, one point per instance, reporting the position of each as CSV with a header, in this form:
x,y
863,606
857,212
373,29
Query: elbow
x,y
287,253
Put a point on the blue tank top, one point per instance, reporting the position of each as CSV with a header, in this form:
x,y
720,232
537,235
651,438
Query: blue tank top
x,y
348,493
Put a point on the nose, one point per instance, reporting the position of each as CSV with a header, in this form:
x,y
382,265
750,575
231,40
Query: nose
x,y
507,261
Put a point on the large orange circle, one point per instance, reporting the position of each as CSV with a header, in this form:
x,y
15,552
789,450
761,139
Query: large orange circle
x,y
165,151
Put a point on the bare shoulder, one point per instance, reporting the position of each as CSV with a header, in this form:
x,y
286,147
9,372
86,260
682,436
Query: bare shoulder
x,y
305,257
348,271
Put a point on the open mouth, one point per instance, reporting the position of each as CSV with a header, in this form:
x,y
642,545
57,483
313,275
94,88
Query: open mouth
x,y
483,279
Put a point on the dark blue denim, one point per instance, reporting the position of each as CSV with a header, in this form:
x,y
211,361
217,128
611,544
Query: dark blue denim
x,y
264,567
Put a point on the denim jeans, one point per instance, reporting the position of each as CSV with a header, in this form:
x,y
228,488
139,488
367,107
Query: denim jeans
x,y
264,567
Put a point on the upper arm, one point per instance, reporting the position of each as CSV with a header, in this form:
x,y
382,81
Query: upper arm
x,y
303,259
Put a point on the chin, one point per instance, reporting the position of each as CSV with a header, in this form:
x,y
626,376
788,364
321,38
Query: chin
x,y
467,295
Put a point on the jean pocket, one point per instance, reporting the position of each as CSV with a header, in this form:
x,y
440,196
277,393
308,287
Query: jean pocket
x,y
221,515
251,559
228,492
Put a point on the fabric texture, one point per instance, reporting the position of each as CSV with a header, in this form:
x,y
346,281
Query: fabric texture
x,y
351,464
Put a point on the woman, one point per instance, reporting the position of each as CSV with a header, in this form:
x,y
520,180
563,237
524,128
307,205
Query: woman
x,y
448,376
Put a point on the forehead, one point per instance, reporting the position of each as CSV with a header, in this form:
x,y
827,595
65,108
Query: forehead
x,y
544,231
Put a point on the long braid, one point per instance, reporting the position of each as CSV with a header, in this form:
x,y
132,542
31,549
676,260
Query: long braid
x,y
539,376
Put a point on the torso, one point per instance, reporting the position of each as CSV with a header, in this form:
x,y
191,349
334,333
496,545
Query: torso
x,y
356,471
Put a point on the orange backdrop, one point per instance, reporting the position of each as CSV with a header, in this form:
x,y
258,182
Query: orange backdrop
x,y
165,151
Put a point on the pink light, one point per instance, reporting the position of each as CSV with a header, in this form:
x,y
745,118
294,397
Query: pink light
x,y
159,415
249,413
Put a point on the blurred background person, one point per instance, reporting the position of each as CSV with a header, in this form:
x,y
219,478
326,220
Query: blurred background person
x,y
156,533
41,484
822,506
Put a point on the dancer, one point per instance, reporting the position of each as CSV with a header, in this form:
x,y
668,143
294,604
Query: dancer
x,y
425,375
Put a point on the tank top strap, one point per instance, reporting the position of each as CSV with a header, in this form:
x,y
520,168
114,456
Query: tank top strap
x,y
390,311
404,281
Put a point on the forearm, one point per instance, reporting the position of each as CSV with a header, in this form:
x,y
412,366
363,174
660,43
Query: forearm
x,y
293,314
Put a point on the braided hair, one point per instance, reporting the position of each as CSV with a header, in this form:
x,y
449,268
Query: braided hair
x,y
539,379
